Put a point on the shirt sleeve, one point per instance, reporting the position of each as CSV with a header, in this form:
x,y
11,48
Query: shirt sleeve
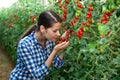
x,y
57,62
26,55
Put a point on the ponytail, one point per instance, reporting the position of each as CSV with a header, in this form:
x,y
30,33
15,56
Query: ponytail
x,y
28,31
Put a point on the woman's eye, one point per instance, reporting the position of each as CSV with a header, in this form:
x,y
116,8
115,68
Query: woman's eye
x,y
55,31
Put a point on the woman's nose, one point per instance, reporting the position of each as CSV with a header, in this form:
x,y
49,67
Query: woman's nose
x,y
58,33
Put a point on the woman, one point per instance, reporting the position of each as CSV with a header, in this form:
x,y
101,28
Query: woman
x,y
36,50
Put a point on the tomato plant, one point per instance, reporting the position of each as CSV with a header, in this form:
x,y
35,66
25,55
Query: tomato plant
x,y
93,49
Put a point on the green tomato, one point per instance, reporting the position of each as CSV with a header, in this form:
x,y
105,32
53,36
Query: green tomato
x,y
86,28
78,13
60,12
101,50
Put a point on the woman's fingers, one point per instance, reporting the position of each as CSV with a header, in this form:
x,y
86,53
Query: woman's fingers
x,y
64,34
61,46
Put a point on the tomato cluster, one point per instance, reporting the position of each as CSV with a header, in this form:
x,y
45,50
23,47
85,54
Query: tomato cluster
x,y
66,38
80,32
105,17
33,18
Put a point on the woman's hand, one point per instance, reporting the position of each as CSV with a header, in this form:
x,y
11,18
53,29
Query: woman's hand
x,y
57,48
61,46
67,33
64,34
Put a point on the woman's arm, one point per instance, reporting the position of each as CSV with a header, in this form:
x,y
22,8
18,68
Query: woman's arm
x,y
56,49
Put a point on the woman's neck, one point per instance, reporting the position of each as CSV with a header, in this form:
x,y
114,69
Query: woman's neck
x,y
40,38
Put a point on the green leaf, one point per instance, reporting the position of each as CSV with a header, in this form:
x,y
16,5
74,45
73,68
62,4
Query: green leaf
x,y
102,28
91,47
116,61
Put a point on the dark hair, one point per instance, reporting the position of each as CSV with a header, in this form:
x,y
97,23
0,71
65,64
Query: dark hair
x,y
47,19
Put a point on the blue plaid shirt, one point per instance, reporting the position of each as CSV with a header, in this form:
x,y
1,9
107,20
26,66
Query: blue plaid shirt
x,y
31,59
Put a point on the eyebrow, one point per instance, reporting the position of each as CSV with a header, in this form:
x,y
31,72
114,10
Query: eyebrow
x,y
55,29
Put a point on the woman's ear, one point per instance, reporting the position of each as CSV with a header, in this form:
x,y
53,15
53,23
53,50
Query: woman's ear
x,y
42,28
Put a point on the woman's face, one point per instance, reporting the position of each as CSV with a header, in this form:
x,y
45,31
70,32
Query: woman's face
x,y
53,32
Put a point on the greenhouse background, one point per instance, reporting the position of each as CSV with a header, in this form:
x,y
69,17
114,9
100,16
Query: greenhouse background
x,y
94,50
